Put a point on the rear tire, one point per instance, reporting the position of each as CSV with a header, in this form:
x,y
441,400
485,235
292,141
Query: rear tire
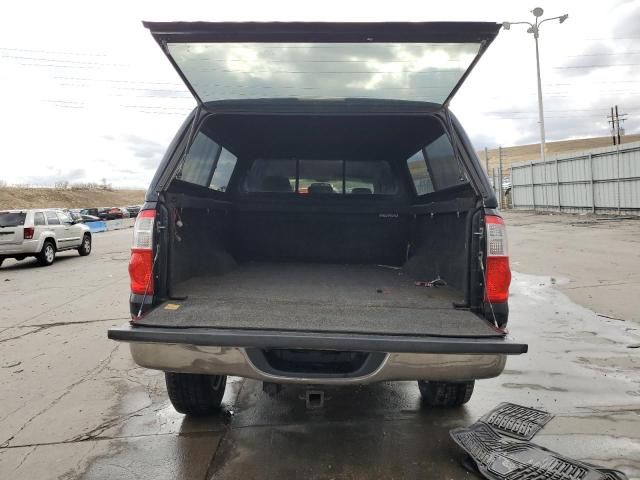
x,y
445,394
195,394
85,247
48,254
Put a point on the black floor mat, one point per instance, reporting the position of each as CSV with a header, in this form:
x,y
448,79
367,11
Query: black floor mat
x,y
516,421
498,457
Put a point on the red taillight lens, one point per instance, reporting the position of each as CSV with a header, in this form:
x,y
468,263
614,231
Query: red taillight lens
x,y
498,273
498,279
141,262
28,233
141,271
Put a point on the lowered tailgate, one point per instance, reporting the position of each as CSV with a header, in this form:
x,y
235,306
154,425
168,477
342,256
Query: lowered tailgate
x,y
318,306
318,340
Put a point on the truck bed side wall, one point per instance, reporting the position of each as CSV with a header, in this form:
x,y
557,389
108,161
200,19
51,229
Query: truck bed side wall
x,y
438,249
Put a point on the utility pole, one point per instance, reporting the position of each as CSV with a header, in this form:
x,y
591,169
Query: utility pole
x,y
543,140
615,135
486,160
613,126
616,119
619,118
500,175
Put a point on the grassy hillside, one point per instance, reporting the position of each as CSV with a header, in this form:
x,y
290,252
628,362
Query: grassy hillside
x,y
20,197
527,153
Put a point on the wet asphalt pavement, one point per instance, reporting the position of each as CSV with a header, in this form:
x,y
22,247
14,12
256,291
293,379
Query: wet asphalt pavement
x,y
75,406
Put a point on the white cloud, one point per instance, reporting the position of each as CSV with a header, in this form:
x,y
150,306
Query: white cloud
x,y
87,93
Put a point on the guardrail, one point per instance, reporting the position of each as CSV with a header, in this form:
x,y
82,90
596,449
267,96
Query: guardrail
x,y
108,225
96,227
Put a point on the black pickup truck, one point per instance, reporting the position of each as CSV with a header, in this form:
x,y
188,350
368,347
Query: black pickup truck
x,y
321,216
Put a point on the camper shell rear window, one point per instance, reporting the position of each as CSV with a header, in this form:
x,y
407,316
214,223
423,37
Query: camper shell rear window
x,y
320,177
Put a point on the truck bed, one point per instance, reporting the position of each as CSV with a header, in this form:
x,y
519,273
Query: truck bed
x,y
311,297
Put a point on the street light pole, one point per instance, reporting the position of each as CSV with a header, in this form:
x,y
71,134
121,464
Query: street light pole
x,y
534,28
540,107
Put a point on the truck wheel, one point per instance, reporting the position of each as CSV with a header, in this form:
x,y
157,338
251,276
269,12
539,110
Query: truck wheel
x,y
1,260
195,394
85,247
445,394
48,254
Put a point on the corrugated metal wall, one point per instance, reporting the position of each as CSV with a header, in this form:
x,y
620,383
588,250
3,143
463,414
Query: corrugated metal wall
x,y
605,180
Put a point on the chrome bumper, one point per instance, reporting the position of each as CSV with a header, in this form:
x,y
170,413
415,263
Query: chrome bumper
x,y
234,361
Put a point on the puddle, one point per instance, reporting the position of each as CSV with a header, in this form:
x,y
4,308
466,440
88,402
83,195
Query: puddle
x,y
576,358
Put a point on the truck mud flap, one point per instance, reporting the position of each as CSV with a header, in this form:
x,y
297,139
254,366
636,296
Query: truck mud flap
x,y
500,457
316,340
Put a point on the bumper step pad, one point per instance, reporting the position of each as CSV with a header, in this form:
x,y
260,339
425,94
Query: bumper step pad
x,y
516,421
499,446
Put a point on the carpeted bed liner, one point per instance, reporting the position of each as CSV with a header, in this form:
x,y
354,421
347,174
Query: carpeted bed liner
x,y
319,297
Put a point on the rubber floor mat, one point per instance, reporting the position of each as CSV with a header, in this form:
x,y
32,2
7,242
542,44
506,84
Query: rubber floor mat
x,y
498,457
516,421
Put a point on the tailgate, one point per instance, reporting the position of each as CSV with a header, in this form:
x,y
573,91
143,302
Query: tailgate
x,y
10,235
256,338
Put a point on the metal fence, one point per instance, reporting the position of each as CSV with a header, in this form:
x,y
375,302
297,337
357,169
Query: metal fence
x,y
497,181
604,180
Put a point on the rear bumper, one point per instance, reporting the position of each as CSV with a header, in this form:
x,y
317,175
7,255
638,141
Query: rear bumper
x,y
395,366
210,351
26,247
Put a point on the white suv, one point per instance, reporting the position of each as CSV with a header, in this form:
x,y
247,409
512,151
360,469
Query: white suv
x,y
41,233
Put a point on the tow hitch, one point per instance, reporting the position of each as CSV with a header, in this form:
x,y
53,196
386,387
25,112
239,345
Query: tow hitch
x,y
314,399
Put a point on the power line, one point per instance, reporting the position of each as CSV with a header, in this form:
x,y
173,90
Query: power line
x,y
613,38
53,52
601,54
598,66
118,80
42,59
599,109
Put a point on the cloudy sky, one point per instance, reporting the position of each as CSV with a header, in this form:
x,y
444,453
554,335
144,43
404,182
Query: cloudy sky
x,y
87,94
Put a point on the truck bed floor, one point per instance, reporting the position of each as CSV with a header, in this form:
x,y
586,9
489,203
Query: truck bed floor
x,y
319,297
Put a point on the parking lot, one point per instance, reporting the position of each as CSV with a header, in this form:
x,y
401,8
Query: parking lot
x,y
75,406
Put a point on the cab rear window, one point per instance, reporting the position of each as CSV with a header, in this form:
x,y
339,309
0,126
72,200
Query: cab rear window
x,y
12,219
321,177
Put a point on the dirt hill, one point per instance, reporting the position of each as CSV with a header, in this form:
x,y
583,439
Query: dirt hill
x,y
527,153
20,197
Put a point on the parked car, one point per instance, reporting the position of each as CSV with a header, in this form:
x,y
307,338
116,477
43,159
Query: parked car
x,y
73,214
100,212
90,218
393,263
115,213
506,185
41,234
133,210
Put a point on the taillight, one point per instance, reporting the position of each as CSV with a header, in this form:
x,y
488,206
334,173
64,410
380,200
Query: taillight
x,y
141,262
28,233
497,272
